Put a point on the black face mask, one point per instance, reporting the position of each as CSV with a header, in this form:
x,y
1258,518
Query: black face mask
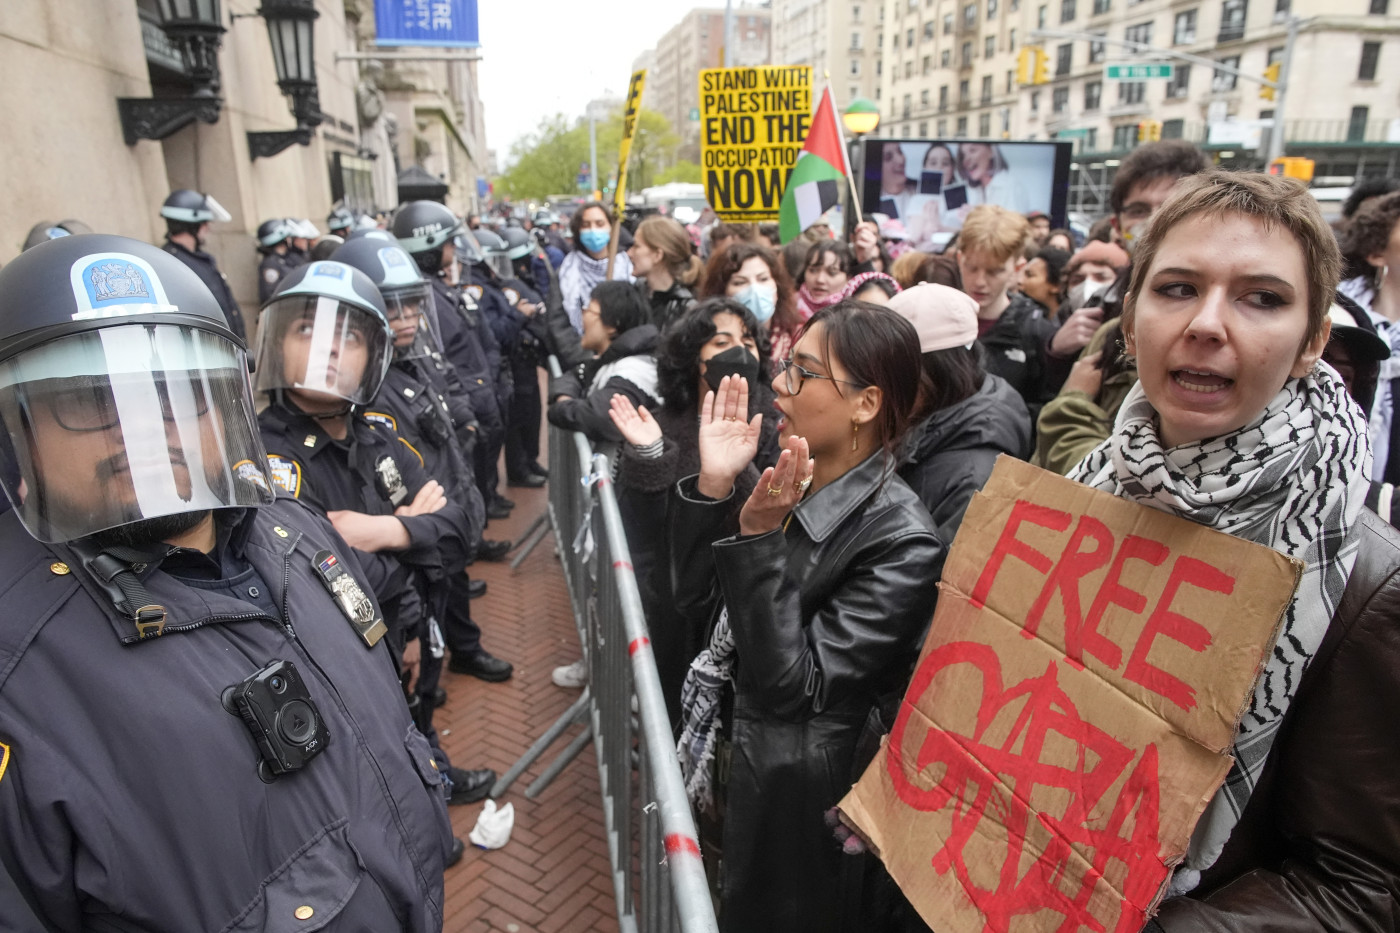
x,y
736,361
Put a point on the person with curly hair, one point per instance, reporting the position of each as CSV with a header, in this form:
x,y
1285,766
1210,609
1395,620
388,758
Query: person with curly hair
x,y
716,338
753,276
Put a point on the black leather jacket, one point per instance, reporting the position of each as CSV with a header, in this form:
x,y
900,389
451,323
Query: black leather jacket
x,y
1318,846
827,616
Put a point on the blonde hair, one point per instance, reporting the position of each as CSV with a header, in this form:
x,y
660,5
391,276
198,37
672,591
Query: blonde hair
x,y
905,269
1276,202
994,230
667,235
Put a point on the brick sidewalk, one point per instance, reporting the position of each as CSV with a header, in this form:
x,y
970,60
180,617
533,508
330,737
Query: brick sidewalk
x,y
554,875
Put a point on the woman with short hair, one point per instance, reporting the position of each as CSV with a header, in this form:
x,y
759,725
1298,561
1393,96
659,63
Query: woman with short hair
x,y
1236,424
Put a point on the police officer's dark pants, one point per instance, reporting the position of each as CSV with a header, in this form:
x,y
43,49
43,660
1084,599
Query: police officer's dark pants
x,y
523,428
490,436
459,629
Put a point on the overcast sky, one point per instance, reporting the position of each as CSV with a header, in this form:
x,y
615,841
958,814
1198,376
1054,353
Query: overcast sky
x,y
542,57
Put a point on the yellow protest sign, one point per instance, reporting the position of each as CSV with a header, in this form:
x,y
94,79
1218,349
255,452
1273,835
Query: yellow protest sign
x,y
752,125
629,132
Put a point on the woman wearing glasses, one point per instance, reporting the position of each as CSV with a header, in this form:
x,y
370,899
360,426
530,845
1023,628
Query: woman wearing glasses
x,y
821,583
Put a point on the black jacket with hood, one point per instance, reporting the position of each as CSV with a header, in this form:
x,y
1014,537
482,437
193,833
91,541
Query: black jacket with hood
x,y
951,453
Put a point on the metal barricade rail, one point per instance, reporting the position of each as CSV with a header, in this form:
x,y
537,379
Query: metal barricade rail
x,y
658,878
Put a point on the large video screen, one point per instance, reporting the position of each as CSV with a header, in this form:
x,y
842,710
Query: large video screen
x,y
929,186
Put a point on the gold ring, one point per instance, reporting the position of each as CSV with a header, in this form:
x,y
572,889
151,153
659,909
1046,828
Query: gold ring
x,y
802,486
731,418
774,492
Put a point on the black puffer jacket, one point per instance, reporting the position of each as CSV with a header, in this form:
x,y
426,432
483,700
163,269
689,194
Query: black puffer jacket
x,y
627,366
826,616
1015,350
950,455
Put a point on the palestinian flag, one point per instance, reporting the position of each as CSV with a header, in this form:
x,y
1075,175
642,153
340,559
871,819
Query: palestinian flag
x,y
814,187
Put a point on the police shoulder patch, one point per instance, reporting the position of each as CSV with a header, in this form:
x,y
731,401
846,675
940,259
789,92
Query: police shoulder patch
x,y
379,417
271,275
286,473
512,296
475,291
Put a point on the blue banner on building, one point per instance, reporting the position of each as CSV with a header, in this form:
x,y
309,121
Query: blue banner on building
x,y
446,23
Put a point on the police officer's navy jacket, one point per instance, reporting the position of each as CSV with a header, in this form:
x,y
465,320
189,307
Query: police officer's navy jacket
x,y
130,799
414,409
270,271
203,265
374,471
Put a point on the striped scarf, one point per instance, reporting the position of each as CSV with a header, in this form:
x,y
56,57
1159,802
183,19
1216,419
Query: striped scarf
x,y
1295,480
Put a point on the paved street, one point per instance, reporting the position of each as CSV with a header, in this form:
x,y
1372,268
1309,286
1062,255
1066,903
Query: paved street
x,y
553,876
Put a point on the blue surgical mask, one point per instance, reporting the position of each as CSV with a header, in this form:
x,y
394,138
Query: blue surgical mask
x,y
595,241
760,299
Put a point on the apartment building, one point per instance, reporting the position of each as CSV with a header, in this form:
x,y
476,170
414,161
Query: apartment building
x,y
950,68
697,42
842,38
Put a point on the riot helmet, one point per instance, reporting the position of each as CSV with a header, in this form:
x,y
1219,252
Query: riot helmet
x,y
124,397
324,333
495,251
325,246
467,247
339,221
272,232
46,230
423,229
407,294
191,207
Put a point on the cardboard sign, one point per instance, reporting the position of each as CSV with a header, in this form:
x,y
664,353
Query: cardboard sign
x,y
629,133
752,124
1072,711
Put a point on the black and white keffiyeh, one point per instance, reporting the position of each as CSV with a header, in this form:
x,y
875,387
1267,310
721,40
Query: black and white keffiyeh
x,y
579,274
702,696
1294,480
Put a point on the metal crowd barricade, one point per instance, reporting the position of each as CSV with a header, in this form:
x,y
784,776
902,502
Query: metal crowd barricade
x,y
658,878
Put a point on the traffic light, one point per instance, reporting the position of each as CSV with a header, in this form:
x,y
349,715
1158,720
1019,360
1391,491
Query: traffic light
x,y
1149,131
1293,167
1270,74
1032,65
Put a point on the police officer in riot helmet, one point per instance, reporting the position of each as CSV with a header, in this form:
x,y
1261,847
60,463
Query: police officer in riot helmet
x,y
46,230
188,215
416,401
304,233
325,346
176,626
429,232
522,334
340,221
274,242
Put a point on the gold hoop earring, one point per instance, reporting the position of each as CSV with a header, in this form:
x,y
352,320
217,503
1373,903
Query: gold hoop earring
x,y
855,433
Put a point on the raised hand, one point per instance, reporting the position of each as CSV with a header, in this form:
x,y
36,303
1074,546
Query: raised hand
x,y
779,489
728,442
636,425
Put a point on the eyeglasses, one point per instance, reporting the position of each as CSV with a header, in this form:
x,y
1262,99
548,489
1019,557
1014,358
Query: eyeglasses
x,y
796,376
94,407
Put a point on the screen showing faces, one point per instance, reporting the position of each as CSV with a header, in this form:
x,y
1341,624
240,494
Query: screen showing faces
x,y
929,186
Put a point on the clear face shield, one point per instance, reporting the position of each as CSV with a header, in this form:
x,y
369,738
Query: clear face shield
x,y
321,348
500,264
127,423
413,319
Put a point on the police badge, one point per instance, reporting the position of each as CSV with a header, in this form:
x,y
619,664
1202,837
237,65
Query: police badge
x,y
357,607
390,480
